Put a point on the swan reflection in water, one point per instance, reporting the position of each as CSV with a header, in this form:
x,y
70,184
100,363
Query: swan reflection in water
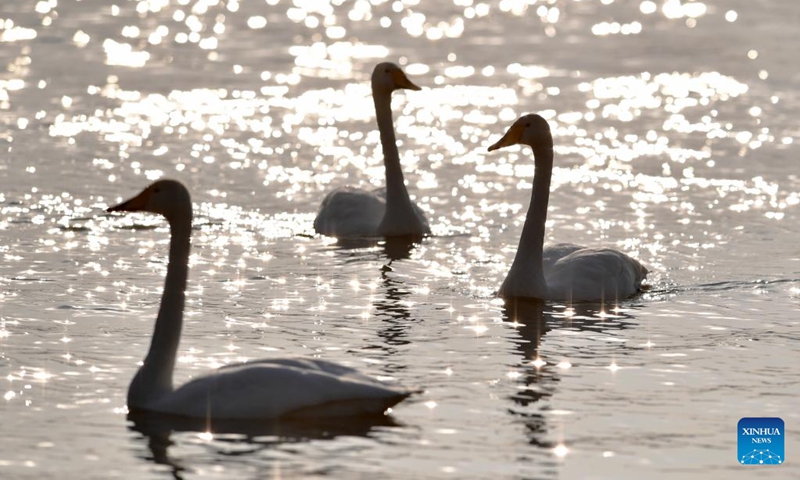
x,y
247,437
394,248
531,320
394,313
391,302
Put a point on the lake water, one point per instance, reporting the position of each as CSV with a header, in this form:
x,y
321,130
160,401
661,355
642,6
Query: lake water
x,y
676,141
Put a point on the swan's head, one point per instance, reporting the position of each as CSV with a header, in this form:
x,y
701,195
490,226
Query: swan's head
x,y
165,197
388,77
530,129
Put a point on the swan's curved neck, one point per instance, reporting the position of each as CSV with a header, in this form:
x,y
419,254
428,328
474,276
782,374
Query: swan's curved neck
x,y
155,376
398,203
528,261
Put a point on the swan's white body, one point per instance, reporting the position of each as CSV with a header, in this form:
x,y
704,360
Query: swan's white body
x,y
277,388
385,212
355,212
562,271
253,390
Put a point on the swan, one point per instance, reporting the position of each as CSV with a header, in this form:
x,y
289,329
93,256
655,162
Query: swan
x,y
562,271
383,212
285,388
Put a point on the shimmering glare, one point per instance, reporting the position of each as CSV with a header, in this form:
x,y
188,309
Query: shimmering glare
x,y
12,33
561,451
647,7
335,60
263,107
257,22
614,28
676,9
124,54
81,39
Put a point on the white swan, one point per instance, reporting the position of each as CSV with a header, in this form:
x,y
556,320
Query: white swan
x,y
562,271
259,389
384,212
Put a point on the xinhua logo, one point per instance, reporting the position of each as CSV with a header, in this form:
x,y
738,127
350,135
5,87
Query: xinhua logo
x,y
761,441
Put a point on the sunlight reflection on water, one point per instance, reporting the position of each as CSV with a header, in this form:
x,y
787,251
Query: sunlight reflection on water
x,y
675,136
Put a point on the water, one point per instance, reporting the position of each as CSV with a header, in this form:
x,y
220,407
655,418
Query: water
x,y
676,141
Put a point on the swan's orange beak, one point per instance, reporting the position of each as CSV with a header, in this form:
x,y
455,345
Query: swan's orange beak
x,y
401,80
511,137
135,204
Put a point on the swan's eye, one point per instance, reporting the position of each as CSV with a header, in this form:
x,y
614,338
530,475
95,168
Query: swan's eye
x,y
156,190
387,70
527,125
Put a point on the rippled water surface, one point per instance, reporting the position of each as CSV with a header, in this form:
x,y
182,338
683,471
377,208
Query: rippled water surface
x,y
676,141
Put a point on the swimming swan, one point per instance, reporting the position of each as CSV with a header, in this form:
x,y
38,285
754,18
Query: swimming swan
x,y
252,390
562,271
383,212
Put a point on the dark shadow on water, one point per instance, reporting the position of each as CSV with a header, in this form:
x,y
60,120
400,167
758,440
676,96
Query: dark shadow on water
x,y
391,307
531,320
250,436
399,248
393,311
396,320
537,382
666,291
394,248
358,243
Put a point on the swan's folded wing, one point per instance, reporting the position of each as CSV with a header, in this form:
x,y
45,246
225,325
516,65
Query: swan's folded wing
x,y
555,252
283,387
350,212
594,274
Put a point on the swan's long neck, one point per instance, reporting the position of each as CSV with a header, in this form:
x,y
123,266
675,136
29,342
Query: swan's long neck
x,y
527,267
154,378
399,208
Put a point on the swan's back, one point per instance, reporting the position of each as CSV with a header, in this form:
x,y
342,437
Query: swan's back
x,y
351,212
585,273
555,252
354,212
281,388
